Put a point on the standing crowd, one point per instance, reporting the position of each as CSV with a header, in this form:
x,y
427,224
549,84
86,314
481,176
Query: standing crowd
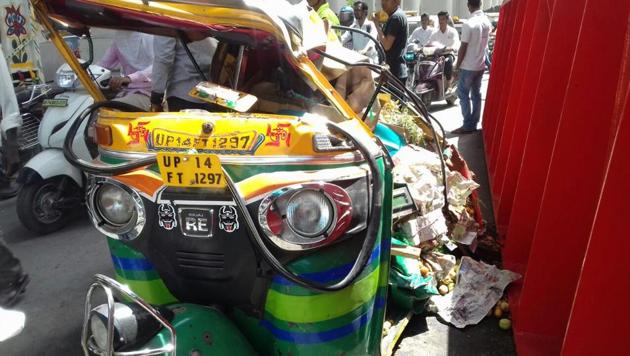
x,y
466,65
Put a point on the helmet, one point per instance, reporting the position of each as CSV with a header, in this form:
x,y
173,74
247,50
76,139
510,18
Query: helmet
x,y
346,16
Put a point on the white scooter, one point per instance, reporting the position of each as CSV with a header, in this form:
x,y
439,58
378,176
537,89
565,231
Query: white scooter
x,y
52,189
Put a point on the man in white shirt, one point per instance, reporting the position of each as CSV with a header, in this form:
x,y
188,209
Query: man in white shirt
x,y
12,279
361,43
447,37
422,34
470,64
11,122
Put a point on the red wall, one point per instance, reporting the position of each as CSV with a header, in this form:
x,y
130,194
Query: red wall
x,y
556,98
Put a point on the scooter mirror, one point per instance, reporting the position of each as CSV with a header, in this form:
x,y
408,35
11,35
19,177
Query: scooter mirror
x,y
90,59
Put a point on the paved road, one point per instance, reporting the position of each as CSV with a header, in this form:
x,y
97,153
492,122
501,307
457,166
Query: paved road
x,y
61,266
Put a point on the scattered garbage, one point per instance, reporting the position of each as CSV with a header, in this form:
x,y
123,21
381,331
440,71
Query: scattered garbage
x,y
479,288
432,279
505,324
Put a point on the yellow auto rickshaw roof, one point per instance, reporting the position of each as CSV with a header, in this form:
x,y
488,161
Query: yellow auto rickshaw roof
x,y
289,21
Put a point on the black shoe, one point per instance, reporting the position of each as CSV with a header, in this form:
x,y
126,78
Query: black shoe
x,y
8,188
14,291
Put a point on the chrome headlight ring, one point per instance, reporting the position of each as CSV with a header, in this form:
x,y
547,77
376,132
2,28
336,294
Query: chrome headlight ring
x,y
272,216
126,231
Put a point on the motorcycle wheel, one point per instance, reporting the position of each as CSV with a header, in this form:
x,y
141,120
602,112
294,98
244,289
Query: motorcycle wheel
x,y
427,98
38,204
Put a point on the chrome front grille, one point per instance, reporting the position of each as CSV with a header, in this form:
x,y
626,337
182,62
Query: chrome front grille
x,y
28,132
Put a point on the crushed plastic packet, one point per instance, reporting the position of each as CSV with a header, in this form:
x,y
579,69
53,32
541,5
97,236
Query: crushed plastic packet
x,y
479,287
440,263
465,230
459,188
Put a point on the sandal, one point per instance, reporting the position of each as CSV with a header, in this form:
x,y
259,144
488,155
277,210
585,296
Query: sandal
x,y
462,131
15,291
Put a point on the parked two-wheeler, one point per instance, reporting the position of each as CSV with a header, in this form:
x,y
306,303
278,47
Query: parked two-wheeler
x,y
31,99
426,74
52,188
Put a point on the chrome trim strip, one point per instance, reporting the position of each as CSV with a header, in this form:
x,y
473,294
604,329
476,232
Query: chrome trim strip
x,y
328,175
203,202
347,157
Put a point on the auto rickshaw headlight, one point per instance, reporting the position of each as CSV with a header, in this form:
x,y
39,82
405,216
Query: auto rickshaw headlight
x,y
305,216
116,209
98,329
115,205
309,213
132,326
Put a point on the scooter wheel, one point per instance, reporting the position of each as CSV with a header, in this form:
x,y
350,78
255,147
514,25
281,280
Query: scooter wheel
x,y
427,98
38,204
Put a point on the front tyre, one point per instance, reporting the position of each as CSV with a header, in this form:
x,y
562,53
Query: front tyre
x,y
427,99
49,204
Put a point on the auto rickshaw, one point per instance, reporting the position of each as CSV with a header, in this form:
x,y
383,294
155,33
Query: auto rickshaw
x,y
263,228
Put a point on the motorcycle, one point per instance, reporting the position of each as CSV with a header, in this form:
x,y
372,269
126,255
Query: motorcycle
x,y
426,74
241,231
51,188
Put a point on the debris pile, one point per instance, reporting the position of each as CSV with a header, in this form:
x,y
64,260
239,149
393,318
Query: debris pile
x,y
443,225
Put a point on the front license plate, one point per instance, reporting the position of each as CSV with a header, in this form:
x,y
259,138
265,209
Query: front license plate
x,y
236,142
57,103
191,170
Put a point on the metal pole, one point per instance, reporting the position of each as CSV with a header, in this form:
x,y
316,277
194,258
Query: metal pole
x,y
237,70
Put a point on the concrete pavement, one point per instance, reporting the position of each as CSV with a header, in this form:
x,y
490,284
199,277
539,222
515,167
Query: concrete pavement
x,y
61,266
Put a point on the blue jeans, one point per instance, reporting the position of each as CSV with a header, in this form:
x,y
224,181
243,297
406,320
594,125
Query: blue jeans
x,y
469,87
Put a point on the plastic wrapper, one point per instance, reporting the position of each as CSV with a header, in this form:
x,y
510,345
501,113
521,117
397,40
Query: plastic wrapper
x,y
459,188
479,287
466,228
431,225
440,263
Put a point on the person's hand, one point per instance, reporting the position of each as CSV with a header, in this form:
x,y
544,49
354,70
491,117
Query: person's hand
x,y
117,82
156,108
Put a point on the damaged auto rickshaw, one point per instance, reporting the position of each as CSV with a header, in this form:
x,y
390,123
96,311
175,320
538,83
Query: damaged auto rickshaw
x,y
263,227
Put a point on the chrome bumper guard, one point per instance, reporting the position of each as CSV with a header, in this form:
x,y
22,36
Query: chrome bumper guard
x,y
112,287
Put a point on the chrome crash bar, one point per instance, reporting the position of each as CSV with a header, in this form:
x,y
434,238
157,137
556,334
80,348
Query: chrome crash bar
x,y
111,287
